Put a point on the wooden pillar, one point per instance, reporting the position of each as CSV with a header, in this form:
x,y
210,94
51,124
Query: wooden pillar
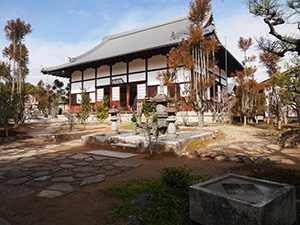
x,y
96,94
146,71
110,85
127,84
70,96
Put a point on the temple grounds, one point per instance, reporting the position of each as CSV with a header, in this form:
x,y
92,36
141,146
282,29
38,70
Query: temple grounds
x,y
46,182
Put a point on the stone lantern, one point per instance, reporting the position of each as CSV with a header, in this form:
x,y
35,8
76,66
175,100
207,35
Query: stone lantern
x,y
171,130
114,118
162,101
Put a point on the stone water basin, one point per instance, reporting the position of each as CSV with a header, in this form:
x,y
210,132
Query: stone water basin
x,y
235,199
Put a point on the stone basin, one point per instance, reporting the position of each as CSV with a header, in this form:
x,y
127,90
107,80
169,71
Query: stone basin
x,y
234,199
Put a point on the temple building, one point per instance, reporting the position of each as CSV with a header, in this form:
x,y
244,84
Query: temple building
x,y
124,66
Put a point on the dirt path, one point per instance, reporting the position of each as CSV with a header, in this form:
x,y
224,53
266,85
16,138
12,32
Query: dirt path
x,y
89,206
252,142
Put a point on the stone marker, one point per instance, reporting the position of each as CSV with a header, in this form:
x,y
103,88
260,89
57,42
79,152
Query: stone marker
x,y
234,199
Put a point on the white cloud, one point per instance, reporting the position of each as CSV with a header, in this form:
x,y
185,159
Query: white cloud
x,y
47,54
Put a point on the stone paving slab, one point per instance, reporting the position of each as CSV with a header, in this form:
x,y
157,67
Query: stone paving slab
x,y
93,179
52,174
50,194
120,155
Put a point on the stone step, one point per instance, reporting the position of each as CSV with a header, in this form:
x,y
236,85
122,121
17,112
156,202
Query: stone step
x,y
123,145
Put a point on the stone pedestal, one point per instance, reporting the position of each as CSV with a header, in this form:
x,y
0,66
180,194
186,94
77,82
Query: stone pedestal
x,y
134,128
234,199
114,118
171,130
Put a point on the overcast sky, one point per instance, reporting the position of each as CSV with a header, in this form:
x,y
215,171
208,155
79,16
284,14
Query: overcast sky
x,y
63,28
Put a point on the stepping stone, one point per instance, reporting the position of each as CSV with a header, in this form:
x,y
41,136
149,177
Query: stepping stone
x,y
80,163
31,165
16,192
108,167
63,179
26,159
99,164
79,157
126,164
39,184
99,158
50,194
86,169
18,181
93,179
63,187
112,172
66,166
43,178
3,222
41,173
89,159
2,179
10,169
43,168
66,161
20,174
83,175
120,155
51,146
63,173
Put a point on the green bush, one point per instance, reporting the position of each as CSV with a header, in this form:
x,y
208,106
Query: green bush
x,y
176,177
171,205
134,118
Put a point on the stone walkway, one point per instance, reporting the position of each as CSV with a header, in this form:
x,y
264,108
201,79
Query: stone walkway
x,y
49,173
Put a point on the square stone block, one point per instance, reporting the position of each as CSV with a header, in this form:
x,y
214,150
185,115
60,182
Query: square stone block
x,y
234,199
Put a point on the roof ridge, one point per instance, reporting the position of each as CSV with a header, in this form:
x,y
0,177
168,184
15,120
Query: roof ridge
x,y
148,27
107,38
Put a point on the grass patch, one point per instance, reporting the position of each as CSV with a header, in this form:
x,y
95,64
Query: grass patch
x,y
169,197
127,127
194,145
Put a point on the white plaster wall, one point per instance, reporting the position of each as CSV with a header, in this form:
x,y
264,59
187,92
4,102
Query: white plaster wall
x,y
165,90
137,65
76,76
92,97
103,81
116,93
141,91
124,77
137,77
100,94
78,99
157,62
89,74
103,71
183,89
89,85
183,75
223,74
75,87
152,77
119,68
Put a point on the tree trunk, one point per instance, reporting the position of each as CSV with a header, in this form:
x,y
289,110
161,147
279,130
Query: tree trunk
x,y
200,119
298,115
279,123
285,118
245,120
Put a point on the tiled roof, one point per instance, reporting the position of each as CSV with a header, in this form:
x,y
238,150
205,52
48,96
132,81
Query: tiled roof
x,y
164,33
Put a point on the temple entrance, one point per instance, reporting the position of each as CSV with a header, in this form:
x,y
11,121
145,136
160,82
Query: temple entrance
x,y
123,93
133,95
107,95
